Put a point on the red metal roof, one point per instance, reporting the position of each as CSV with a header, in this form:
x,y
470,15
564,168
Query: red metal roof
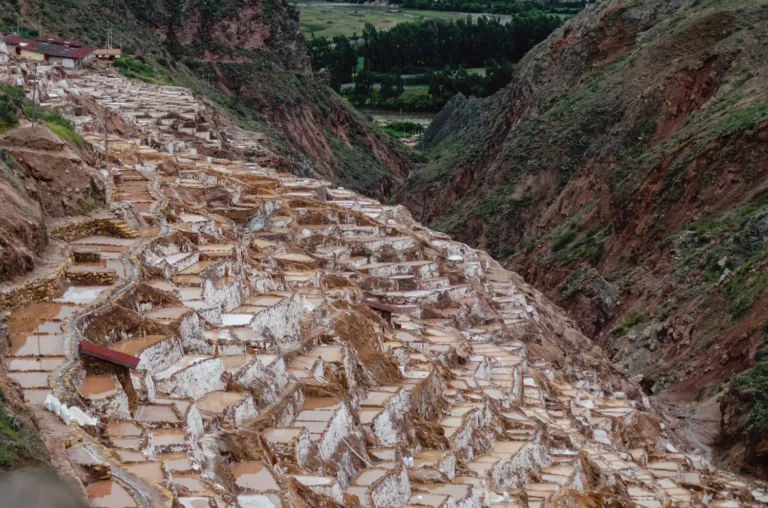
x,y
13,39
379,306
51,47
108,355
74,44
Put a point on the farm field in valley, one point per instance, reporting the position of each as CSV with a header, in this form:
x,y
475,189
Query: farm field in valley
x,y
331,19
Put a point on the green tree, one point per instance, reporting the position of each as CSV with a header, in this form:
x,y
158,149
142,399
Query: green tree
x,y
363,88
497,75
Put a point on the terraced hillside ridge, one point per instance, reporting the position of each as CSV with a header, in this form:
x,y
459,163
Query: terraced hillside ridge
x,y
623,173
248,56
279,341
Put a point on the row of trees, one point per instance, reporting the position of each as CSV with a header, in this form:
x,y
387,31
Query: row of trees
x,y
422,45
443,85
438,51
467,42
491,6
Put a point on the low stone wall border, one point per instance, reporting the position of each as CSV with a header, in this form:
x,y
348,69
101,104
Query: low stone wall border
x,y
39,290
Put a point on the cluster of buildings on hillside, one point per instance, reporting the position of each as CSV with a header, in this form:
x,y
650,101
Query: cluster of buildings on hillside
x,y
68,54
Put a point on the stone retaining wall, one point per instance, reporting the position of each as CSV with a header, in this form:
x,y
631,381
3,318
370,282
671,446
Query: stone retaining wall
x,y
92,227
36,291
92,278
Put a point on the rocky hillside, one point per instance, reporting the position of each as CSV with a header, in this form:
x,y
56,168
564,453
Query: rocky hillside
x,y
42,178
248,56
623,172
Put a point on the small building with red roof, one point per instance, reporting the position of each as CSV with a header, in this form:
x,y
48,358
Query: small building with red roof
x,y
68,54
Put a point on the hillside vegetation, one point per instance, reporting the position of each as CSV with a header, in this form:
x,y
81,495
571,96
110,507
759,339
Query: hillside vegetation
x,y
623,171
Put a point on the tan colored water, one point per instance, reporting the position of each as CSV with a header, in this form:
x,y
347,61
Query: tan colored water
x,y
254,476
156,414
123,428
149,470
376,399
190,482
108,494
369,476
234,362
329,353
264,301
30,379
281,435
167,437
181,404
168,313
34,363
132,443
48,327
316,415
175,461
506,447
98,387
161,284
26,320
314,428
138,344
127,456
218,401
457,491
191,293
367,415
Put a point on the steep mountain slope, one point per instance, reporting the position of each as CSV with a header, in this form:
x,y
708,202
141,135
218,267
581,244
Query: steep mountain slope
x,y
623,172
254,56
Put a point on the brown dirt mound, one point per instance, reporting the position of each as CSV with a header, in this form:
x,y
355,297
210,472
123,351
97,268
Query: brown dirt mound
x,y
42,176
355,327
22,230
59,176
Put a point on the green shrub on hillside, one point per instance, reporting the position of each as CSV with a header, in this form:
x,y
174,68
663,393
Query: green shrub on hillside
x,y
11,99
137,68
15,438
563,240
62,127
630,322
756,379
401,129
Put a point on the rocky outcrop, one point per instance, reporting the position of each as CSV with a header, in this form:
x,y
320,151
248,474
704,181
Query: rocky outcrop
x,y
589,299
43,177
22,230
630,145
61,176
454,116
743,428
